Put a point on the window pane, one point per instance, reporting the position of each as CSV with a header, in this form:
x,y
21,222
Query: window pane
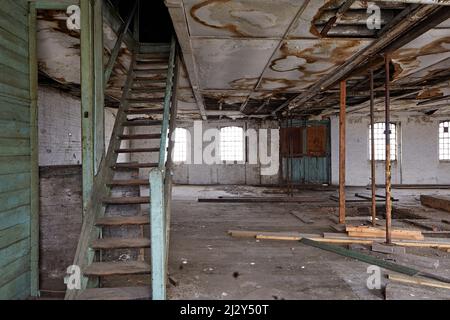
x,y
380,141
180,145
232,144
444,140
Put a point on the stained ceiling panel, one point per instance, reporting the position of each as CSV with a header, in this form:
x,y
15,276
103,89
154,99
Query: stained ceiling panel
x,y
240,18
300,63
231,64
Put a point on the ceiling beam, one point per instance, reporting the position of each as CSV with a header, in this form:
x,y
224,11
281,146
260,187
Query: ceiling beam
x,y
176,10
339,14
411,26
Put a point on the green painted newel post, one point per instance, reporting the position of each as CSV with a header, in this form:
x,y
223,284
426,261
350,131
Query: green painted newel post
x,y
158,234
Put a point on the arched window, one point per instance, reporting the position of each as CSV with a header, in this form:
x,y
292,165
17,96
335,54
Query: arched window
x,y
180,145
232,144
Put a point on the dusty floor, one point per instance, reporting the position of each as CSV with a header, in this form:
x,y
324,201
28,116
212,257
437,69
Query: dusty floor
x,y
207,263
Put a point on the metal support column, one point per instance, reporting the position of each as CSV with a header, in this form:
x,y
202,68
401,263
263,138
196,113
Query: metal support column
x,y
388,152
372,148
342,132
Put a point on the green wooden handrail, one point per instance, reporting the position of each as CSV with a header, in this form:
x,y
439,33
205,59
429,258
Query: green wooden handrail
x,y
120,37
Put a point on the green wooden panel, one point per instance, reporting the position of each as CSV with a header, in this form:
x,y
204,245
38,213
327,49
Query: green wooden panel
x,y
10,90
12,182
14,199
14,112
14,78
14,129
13,43
14,216
15,164
14,269
15,150
12,25
20,284
14,147
14,234
14,252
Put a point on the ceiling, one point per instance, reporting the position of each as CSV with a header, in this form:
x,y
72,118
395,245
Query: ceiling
x,y
250,57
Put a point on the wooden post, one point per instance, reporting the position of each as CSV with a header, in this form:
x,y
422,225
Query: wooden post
x,y
372,148
99,89
87,100
342,131
158,234
34,143
388,152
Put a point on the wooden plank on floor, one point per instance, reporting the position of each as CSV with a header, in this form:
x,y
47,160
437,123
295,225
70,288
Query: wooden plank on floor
x,y
436,202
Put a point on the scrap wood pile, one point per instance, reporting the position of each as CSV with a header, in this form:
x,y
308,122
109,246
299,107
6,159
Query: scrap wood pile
x,y
354,235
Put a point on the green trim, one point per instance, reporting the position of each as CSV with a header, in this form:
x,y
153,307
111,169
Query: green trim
x,y
54,5
87,101
34,143
99,89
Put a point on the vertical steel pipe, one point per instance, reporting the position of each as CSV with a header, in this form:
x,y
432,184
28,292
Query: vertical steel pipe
x,y
388,151
342,132
372,148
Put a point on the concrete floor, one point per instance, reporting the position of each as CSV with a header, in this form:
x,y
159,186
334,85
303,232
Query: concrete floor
x,y
207,263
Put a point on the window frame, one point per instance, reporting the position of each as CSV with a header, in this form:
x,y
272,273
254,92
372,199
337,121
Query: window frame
x,y
397,145
443,138
243,161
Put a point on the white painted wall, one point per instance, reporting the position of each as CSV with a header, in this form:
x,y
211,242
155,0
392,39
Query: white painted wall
x,y
59,120
224,174
418,153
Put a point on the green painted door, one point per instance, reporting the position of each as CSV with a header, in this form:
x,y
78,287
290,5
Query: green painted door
x,y
306,152
15,151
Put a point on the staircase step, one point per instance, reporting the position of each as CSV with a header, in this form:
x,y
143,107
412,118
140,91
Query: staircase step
x,y
132,165
127,200
102,269
141,123
143,150
120,243
123,221
148,90
157,79
144,111
139,136
151,82
126,293
146,100
150,71
128,183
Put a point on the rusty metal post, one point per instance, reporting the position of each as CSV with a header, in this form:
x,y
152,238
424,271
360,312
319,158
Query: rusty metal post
x,y
342,131
372,148
388,152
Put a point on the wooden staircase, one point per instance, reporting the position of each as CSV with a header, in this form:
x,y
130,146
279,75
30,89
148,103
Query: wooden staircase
x,y
113,251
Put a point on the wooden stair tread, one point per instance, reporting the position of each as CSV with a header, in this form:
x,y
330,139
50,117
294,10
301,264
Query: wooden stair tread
x,y
120,243
123,221
134,165
100,269
144,111
139,123
148,90
125,293
127,200
145,100
142,150
150,71
139,136
127,183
